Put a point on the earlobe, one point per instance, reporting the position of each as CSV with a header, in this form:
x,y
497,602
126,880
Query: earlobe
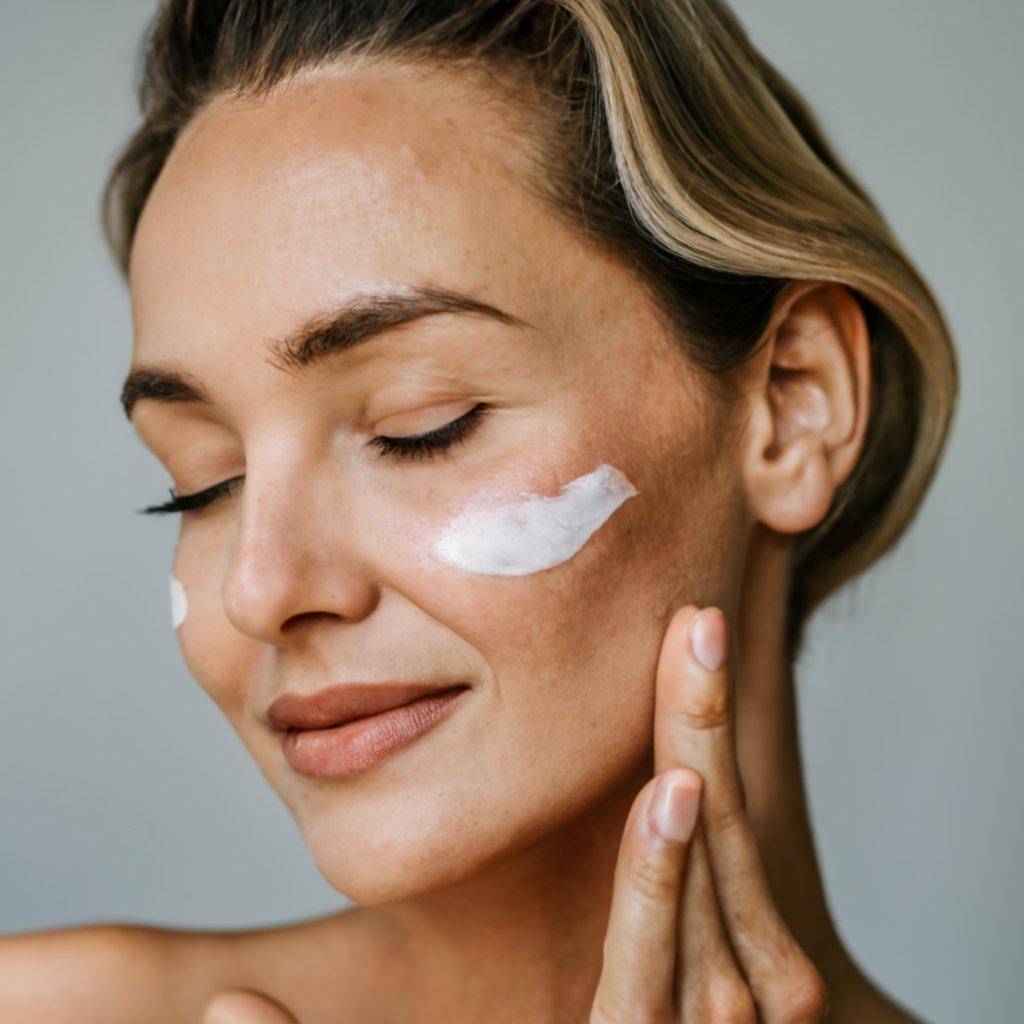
x,y
808,394
791,492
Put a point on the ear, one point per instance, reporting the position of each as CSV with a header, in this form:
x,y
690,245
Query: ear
x,y
808,390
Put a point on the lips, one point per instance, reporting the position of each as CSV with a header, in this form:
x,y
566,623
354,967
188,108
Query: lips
x,y
343,702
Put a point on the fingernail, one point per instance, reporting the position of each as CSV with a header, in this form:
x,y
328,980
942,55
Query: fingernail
x,y
707,638
674,807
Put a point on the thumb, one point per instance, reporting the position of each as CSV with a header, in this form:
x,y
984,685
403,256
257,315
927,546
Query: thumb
x,y
245,1006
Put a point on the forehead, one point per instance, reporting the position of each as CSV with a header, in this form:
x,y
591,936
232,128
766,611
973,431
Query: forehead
x,y
342,180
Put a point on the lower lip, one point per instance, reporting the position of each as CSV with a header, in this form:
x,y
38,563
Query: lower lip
x,y
357,746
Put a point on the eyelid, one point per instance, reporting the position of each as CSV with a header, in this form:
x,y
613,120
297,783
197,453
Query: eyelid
x,y
196,500
438,441
435,415
424,445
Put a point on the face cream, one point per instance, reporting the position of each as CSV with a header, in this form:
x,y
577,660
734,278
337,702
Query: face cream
x,y
179,602
534,532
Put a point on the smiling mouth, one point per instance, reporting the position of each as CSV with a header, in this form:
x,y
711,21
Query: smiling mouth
x,y
356,744
383,711
345,702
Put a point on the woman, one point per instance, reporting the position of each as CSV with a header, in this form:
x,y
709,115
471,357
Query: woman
x,y
527,372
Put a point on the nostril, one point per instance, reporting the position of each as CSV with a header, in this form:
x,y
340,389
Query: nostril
x,y
299,618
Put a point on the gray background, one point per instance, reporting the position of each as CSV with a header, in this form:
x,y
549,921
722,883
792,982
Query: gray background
x,y
123,794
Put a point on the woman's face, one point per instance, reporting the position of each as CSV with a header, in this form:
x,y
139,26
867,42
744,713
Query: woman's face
x,y
320,568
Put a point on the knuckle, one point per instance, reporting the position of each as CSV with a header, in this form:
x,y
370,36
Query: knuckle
x,y
654,878
809,996
724,816
801,997
614,1007
709,712
727,1001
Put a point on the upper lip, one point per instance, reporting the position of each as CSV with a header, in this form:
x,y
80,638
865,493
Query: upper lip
x,y
342,702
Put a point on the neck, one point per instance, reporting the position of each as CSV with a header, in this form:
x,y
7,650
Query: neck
x,y
769,754
523,940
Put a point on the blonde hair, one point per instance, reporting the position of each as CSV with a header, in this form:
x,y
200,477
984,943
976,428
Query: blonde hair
x,y
666,138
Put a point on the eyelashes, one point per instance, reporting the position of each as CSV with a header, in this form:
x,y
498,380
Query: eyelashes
x,y
423,446
190,502
418,446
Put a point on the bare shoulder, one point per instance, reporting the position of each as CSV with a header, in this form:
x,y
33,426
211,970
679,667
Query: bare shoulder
x,y
114,973
108,972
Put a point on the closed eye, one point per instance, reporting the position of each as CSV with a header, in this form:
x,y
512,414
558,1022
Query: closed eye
x,y
433,442
191,502
416,446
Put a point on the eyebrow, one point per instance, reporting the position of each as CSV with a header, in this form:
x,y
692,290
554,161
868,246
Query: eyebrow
x,y
366,316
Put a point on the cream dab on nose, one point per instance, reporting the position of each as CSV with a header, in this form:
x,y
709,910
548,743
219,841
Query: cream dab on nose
x,y
534,532
179,602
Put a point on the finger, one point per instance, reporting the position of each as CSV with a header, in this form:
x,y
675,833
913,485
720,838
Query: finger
x,y
710,983
635,985
700,727
243,1006
694,712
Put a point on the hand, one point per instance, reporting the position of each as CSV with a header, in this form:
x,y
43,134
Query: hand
x,y
243,1006
695,937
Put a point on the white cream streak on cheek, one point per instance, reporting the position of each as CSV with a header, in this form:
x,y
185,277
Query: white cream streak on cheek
x,y
536,532
179,602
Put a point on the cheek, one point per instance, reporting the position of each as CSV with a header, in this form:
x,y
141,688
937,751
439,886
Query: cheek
x,y
558,591
507,529
220,658
566,597
533,533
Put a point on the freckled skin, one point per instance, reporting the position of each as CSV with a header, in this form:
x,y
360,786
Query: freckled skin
x,y
297,208
268,211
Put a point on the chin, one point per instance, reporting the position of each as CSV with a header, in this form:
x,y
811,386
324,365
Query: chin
x,y
386,857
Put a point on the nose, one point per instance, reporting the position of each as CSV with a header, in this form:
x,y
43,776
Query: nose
x,y
293,560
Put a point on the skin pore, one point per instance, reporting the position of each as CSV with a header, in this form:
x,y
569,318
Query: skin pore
x,y
483,853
